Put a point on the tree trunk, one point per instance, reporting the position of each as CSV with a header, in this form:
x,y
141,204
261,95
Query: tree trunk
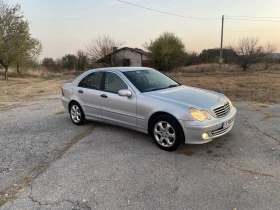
x,y
18,70
6,73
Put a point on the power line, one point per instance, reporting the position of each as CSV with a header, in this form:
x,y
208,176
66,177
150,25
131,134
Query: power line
x,y
249,18
185,13
251,30
167,13
252,19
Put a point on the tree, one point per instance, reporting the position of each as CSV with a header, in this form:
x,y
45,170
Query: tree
x,y
213,55
191,58
82,61
102,45
27,56
69,62
15,40
49,64
248,52
168,51
269,58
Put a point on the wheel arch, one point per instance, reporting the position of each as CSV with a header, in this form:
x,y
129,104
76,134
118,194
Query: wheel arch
x,y
70,102
156,114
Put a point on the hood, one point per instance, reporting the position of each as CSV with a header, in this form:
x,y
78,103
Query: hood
x,y
190,96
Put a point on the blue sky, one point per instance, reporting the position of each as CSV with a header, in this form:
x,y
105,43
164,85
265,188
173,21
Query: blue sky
x,y
66,26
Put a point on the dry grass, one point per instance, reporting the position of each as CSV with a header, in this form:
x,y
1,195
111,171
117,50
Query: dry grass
x,y
27,88
213,67
258,86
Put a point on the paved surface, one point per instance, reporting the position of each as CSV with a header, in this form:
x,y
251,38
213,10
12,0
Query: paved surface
x,y
49,163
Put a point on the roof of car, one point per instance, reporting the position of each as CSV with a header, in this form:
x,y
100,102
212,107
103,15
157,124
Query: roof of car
x,y
122,69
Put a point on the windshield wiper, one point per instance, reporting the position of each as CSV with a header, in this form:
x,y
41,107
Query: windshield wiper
x,y
170,86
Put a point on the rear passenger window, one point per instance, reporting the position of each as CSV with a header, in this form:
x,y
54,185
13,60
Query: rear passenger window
x,y
91,81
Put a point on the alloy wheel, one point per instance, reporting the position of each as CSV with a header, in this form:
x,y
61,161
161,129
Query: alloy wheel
x,y
76,114
164,134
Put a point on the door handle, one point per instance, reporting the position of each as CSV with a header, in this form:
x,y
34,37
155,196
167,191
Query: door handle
x,y
104,96
80,91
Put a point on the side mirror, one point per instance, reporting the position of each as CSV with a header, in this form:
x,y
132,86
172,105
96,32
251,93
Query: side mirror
x,y
125,92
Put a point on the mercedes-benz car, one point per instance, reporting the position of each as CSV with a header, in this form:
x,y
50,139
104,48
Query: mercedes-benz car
x,y
148,101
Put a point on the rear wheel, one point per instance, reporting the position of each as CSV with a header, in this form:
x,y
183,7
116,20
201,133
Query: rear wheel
x,y
167,132
76,113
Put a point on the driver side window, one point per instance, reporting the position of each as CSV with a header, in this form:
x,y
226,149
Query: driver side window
x,y
113,83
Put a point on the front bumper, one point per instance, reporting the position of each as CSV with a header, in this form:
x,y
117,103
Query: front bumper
x,y
193,130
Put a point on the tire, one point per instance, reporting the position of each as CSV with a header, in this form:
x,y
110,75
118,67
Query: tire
x,y
76,113
167,132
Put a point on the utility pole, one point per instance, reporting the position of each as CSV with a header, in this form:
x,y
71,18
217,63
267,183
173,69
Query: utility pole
x,y
221,49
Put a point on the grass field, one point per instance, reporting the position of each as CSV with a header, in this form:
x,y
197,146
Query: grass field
x,y
252,86
258,86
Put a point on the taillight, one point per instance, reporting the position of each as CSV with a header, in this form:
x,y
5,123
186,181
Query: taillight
x,y
62,92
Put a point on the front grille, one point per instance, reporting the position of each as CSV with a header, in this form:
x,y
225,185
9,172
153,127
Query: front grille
x,y
220,131
222,110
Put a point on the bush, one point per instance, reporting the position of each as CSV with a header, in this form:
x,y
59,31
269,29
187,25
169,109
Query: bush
x,y
168,51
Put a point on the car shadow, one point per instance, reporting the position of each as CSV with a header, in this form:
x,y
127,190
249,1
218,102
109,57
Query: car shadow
x,y
212,148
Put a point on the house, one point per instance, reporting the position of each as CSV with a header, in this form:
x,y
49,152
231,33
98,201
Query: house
x,y
127,56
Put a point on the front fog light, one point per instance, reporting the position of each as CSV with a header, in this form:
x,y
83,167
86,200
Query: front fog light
x,y
205,136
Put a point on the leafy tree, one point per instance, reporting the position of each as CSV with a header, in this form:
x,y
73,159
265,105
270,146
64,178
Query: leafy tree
x,y
69,62
248,52
102,45
33,63
168,51
26,58
15,40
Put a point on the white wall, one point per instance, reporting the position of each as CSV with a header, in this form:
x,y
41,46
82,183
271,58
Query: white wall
x,y
135,58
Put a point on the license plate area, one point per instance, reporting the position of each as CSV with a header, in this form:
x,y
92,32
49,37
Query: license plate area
x,y
227,123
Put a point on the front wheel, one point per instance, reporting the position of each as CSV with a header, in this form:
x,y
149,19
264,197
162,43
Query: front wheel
x,y
167,132
76,113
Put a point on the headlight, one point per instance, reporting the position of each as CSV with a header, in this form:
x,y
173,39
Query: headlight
x,y
230,104
206,114
199,115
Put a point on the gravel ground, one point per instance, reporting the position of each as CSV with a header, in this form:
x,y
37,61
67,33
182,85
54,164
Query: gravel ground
x,y
49,163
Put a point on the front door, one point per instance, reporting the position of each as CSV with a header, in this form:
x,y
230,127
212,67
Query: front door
x,y
115,108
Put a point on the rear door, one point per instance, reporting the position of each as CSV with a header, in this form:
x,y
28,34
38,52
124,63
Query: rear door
x,y
115,108
88,94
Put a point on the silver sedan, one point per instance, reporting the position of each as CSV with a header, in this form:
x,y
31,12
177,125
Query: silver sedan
x,y
148,101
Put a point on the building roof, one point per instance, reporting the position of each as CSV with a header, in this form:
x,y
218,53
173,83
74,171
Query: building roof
x,y
137,50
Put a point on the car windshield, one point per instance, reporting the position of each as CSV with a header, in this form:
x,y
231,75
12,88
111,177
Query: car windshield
x,y
150,80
